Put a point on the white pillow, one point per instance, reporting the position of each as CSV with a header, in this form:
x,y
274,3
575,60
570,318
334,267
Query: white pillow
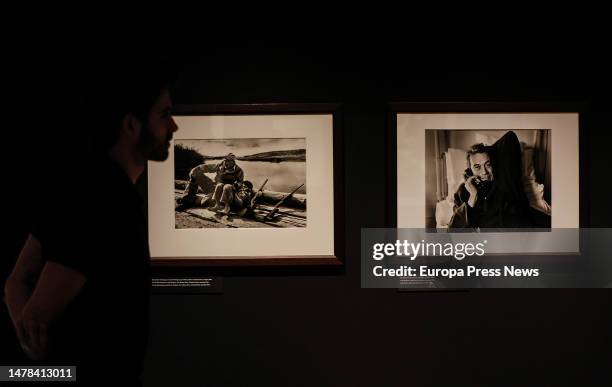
x,y
533,190
456,163
444,212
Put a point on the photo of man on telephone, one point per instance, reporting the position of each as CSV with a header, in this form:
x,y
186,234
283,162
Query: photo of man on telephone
x,y
492,195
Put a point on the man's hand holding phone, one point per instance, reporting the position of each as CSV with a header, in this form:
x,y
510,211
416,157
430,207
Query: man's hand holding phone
x,y
472,188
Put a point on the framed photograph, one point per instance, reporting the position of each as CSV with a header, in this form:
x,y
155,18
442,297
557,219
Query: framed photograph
x,y
489,166
249,185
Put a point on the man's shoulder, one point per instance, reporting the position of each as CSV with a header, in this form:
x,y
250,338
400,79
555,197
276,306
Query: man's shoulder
x,y
198,167
206,166
69,176
87,181
237,169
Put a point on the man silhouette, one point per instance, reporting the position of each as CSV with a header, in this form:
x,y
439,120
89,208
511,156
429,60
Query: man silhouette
x,y
79,292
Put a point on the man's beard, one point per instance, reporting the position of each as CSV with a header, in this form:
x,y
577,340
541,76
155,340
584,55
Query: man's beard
x,y
150,148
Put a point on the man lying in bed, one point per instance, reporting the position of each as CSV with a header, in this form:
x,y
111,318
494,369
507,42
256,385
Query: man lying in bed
x,y
492,195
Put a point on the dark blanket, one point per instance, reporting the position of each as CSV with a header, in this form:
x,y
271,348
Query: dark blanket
x,y
506,206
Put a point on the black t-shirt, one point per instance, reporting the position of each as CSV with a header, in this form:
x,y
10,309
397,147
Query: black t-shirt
x,y
91,220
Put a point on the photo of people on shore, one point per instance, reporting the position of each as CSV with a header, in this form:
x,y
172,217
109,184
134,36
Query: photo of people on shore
x,y
240,183
488,179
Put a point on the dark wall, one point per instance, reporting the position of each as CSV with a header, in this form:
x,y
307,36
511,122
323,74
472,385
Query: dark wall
x,y
323,329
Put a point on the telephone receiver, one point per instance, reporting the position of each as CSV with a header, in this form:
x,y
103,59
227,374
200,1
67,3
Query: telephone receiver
x,y
483,187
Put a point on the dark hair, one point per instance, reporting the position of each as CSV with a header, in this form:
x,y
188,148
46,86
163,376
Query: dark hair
x,y
478,148
248,184
118,90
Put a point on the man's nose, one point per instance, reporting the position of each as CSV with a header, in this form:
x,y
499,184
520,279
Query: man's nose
x,y
174,126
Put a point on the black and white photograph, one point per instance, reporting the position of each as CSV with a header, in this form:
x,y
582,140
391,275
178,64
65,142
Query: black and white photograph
x,y
512,176
247,185
240,183
496,178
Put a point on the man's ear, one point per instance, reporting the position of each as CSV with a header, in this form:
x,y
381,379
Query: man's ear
x,y
131,127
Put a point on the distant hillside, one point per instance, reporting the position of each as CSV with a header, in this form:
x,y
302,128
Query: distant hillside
x,y
277,156
185,158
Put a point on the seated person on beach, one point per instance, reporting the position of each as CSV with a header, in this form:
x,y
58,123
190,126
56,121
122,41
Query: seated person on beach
x,y
239,200
492,195
227,173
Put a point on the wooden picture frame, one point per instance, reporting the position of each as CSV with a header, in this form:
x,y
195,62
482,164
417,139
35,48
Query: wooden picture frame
x,y
321,127
455,116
